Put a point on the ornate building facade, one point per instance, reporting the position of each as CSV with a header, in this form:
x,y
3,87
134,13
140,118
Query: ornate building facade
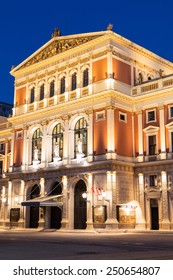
x,y
90,141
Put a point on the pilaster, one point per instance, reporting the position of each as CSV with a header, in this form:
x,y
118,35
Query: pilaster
x,y
165,223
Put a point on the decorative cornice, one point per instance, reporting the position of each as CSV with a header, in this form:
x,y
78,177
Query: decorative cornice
x,y
57,46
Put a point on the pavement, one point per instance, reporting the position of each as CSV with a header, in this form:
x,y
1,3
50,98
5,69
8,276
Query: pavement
x,y
92,231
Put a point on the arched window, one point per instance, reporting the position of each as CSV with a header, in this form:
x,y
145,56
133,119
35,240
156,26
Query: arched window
x,y
42,92
52,88
85,78
57,138
36,143
73,81
80,132
32,96
62,85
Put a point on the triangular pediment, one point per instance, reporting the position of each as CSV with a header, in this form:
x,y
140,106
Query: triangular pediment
x,y
170,125
151,128
56,46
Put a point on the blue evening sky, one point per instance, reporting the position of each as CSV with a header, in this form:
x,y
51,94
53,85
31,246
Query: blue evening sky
x,y
27,25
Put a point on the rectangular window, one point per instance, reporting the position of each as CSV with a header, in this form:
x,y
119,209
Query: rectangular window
x,y
171,112
100,115
151,116
19,134
42,92
152,144
2,147
1,165
153,180
62,85
122,117
74,81
32,95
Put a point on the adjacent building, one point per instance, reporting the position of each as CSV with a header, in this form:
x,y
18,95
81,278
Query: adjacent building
x,y
90,141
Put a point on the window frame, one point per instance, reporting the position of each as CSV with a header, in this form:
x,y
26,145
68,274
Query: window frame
x,y
147,116
42,92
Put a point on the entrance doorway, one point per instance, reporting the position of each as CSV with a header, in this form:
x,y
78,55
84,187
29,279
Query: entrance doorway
x,y
34,211
154,214
55,212
79,206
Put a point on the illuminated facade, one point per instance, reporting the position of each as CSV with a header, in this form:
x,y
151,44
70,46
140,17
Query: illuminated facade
x,y
90,141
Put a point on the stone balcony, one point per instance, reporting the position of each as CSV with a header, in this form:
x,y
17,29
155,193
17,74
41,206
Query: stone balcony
x,y
147,87
69,96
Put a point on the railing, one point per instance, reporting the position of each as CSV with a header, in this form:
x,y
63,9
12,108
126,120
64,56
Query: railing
x,y
151,86
101,86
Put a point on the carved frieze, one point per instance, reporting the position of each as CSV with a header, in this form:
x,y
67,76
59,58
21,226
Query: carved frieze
x,y
56,47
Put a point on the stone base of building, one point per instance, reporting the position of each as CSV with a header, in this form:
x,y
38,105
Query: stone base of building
x,y
89,225
64,224
164,225
141,226
112,224
41,224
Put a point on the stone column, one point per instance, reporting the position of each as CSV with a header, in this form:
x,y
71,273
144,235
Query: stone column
x,y
111,200
48,155
44,146
89,201
140,212
12,151
64,222
110,133
41,222
24,148
90,136
21,198
5,168
65,141
165,223
140,137
162,133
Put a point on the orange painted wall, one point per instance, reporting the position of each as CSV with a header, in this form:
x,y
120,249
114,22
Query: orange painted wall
x,y
100,70
123,134
21,96
122,71
100,135
18,151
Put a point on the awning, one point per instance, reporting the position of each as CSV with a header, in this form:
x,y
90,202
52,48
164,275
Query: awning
x,y
51,200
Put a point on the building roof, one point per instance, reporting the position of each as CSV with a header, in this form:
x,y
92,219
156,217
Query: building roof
x,y
58,45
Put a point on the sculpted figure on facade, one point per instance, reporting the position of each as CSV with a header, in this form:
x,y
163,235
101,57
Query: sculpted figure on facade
x,y
35,153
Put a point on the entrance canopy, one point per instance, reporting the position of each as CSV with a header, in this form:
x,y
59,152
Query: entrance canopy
x,y
51,200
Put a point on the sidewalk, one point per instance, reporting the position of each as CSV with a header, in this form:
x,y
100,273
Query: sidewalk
x,y
93,231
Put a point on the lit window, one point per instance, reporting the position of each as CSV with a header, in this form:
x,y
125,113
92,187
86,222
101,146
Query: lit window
x,y
151,116
85,78
52,88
